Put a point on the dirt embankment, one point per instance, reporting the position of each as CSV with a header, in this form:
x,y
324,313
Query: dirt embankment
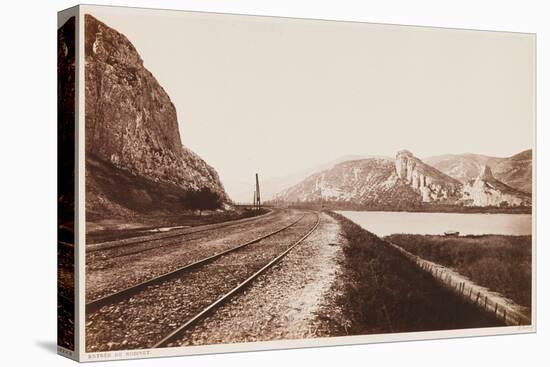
x,y
498,262
384,292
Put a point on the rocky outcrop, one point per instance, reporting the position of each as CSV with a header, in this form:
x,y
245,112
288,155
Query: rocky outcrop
x,y
433,185
486,190
404,183
131,123
369,182
515,171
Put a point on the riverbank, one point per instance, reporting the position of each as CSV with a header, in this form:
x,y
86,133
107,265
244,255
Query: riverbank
x,y
419,208
382,291
497,262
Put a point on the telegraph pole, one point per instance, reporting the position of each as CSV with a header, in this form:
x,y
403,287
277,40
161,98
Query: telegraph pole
x,y
258,202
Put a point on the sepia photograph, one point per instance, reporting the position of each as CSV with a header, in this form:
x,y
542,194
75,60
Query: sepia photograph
x,y
257,179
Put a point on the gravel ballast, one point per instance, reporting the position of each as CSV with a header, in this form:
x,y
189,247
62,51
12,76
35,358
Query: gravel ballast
x,y
286,302
109,275
145,318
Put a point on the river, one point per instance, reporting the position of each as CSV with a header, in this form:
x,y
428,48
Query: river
x,y
386,223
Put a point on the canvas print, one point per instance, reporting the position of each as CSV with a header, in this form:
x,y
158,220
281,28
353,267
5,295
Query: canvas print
x,y
66,45
254,179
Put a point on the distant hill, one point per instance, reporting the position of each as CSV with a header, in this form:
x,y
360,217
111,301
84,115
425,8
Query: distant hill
x,y
514,171
486,190
242,191
372,181
400,183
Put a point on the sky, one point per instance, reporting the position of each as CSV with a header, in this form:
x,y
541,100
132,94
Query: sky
x,y
278,95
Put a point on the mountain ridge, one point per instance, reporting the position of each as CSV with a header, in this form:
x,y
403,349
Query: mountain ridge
x,y
372,180
405,182
515,170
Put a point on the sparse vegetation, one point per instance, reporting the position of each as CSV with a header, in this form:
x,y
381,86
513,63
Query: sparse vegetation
x,y
409,207
384,292
203,199
500,263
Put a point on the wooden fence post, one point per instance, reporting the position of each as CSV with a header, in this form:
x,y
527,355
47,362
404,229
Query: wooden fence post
x,y
485,303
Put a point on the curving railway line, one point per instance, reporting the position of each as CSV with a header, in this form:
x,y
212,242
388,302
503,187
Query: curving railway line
x,y
155,312
111,273
136,245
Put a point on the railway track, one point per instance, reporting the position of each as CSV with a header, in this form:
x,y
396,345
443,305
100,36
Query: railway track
x,y
96,247
140,245
174,335
115,297
210,281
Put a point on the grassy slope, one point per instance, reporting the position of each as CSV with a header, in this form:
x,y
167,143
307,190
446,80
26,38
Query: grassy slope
x,y
384,292
500,263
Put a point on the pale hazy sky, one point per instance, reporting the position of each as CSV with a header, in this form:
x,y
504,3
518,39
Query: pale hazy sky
x,y
278,95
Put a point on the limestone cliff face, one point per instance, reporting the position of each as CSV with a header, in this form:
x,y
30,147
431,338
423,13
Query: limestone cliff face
x,y
403,183
433,185
515,171
486,190
131,122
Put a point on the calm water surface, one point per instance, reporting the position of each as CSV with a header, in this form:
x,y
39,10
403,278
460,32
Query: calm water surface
x,y
386,223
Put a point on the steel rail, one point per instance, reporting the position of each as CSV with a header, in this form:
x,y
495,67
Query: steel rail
x,y
177,332
118,296
166,245
102,246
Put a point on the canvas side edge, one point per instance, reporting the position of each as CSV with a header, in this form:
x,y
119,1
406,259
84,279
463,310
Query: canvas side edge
x,y
63,16
81,192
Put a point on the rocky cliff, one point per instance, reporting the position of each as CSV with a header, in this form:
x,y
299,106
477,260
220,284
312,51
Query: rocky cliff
x,y
432,184
366,182
486,190
131,127
404,183
515,171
